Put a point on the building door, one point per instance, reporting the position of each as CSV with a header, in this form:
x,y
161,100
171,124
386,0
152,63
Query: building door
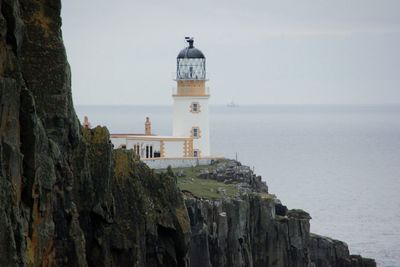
x,y
149,152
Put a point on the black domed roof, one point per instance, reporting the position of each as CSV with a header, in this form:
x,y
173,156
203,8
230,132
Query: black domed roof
x,y
190,51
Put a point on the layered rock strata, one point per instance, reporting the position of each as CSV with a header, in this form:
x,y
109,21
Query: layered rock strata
x,y
249,231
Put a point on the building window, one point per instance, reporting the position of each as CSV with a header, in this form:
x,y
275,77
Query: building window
x,y
195,107
195,132
149,151
196,153
136,149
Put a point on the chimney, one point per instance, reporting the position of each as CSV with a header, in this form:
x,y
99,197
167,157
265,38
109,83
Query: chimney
x,y
86,123
147,126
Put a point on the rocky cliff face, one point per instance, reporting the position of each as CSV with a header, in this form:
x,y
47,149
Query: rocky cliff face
x,y
254,231
246,232
63,201
68,199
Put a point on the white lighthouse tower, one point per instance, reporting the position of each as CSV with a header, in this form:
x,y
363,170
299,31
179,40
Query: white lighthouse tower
x,y
191,100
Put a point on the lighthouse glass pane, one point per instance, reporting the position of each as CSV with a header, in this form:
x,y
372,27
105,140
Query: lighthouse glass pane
x,y
191,69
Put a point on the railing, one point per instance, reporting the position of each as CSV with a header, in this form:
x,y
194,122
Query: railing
x,y
174,77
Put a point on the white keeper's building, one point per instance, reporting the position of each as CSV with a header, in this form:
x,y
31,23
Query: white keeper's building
x,y
191,128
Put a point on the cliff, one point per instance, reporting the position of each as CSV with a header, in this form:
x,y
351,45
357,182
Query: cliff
x,y
63,200
241,224
68,199
248,232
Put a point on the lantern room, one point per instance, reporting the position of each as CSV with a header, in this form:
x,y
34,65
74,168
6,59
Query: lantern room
x,y
191,63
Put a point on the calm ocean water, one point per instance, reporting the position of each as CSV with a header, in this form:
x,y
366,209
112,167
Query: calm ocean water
x,y
339,163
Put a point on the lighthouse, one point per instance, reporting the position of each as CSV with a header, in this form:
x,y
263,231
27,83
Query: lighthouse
x,y
190,99
189,145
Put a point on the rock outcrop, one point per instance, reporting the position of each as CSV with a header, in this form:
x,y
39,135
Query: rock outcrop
x,y
327,252
68,199
246,232
249,232
233,172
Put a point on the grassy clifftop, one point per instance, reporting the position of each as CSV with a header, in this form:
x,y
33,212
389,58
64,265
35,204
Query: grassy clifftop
x,y
221,179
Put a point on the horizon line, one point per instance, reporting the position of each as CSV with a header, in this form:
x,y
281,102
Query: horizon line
x,y
255,104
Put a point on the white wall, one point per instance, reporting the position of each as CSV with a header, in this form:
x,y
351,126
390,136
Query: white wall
x,y
184,120
174,149
143,144
118,141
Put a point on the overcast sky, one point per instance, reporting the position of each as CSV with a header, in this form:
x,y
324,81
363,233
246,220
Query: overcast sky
x,y
258,51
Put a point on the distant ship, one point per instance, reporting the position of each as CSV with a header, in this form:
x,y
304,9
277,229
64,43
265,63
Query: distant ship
x,y
232,105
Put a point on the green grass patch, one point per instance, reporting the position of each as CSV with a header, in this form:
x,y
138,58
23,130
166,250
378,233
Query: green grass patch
x,y
267,196
189,179
203,188
207,188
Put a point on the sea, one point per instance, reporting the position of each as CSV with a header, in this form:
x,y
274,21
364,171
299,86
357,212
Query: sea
x,y
340,163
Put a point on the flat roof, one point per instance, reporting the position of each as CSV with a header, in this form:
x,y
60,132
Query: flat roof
x,y
151,137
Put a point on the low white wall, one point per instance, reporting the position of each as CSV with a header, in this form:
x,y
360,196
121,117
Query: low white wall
x,y
176,163
174,149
